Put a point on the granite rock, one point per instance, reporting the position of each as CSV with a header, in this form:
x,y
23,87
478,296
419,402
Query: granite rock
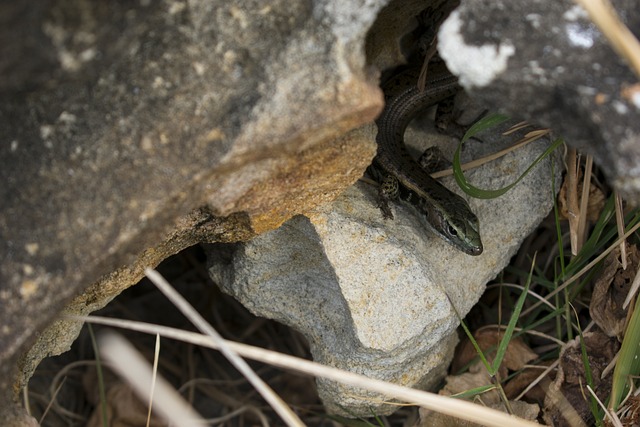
x,y
379,297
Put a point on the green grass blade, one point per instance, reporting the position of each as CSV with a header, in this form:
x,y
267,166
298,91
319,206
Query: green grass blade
x,y
487,122
534,322
468,394
492,368
479,193
628,363
506,338
599,236
477,347
101,383
593,404
556,217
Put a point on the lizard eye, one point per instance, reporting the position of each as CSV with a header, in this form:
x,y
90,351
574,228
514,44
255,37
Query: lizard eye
x,y
452,231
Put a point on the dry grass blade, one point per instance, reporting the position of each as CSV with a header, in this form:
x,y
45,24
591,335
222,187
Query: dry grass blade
x,y
577,198
520,287
620,37
573,209
518,126
530,137
56,383
634,289
53,398
156,357
521,330
446,405
584,201
424,71
620,225
609,414
610,367
25,400
185,308
538,379
577,206
130,364
584,270
237,412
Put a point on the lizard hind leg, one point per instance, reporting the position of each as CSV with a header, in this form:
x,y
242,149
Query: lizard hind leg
x,y
432,160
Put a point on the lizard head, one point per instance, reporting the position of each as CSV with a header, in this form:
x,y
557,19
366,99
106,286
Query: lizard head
x,y
460,228
464,234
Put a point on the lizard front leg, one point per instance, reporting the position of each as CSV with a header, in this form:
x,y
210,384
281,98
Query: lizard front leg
x,y
389,190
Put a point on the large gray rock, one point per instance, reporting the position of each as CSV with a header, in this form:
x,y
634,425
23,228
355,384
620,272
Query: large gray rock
x,y
548,63
119,120
375,296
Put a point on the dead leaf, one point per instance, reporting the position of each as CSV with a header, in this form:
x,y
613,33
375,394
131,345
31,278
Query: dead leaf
x,y
610,290
124,409
517,355
477,376
521,381
595,204
629,413
568,393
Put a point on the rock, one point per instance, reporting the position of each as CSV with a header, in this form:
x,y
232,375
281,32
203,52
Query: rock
x,y
136,114
548,63
374,296
16,416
